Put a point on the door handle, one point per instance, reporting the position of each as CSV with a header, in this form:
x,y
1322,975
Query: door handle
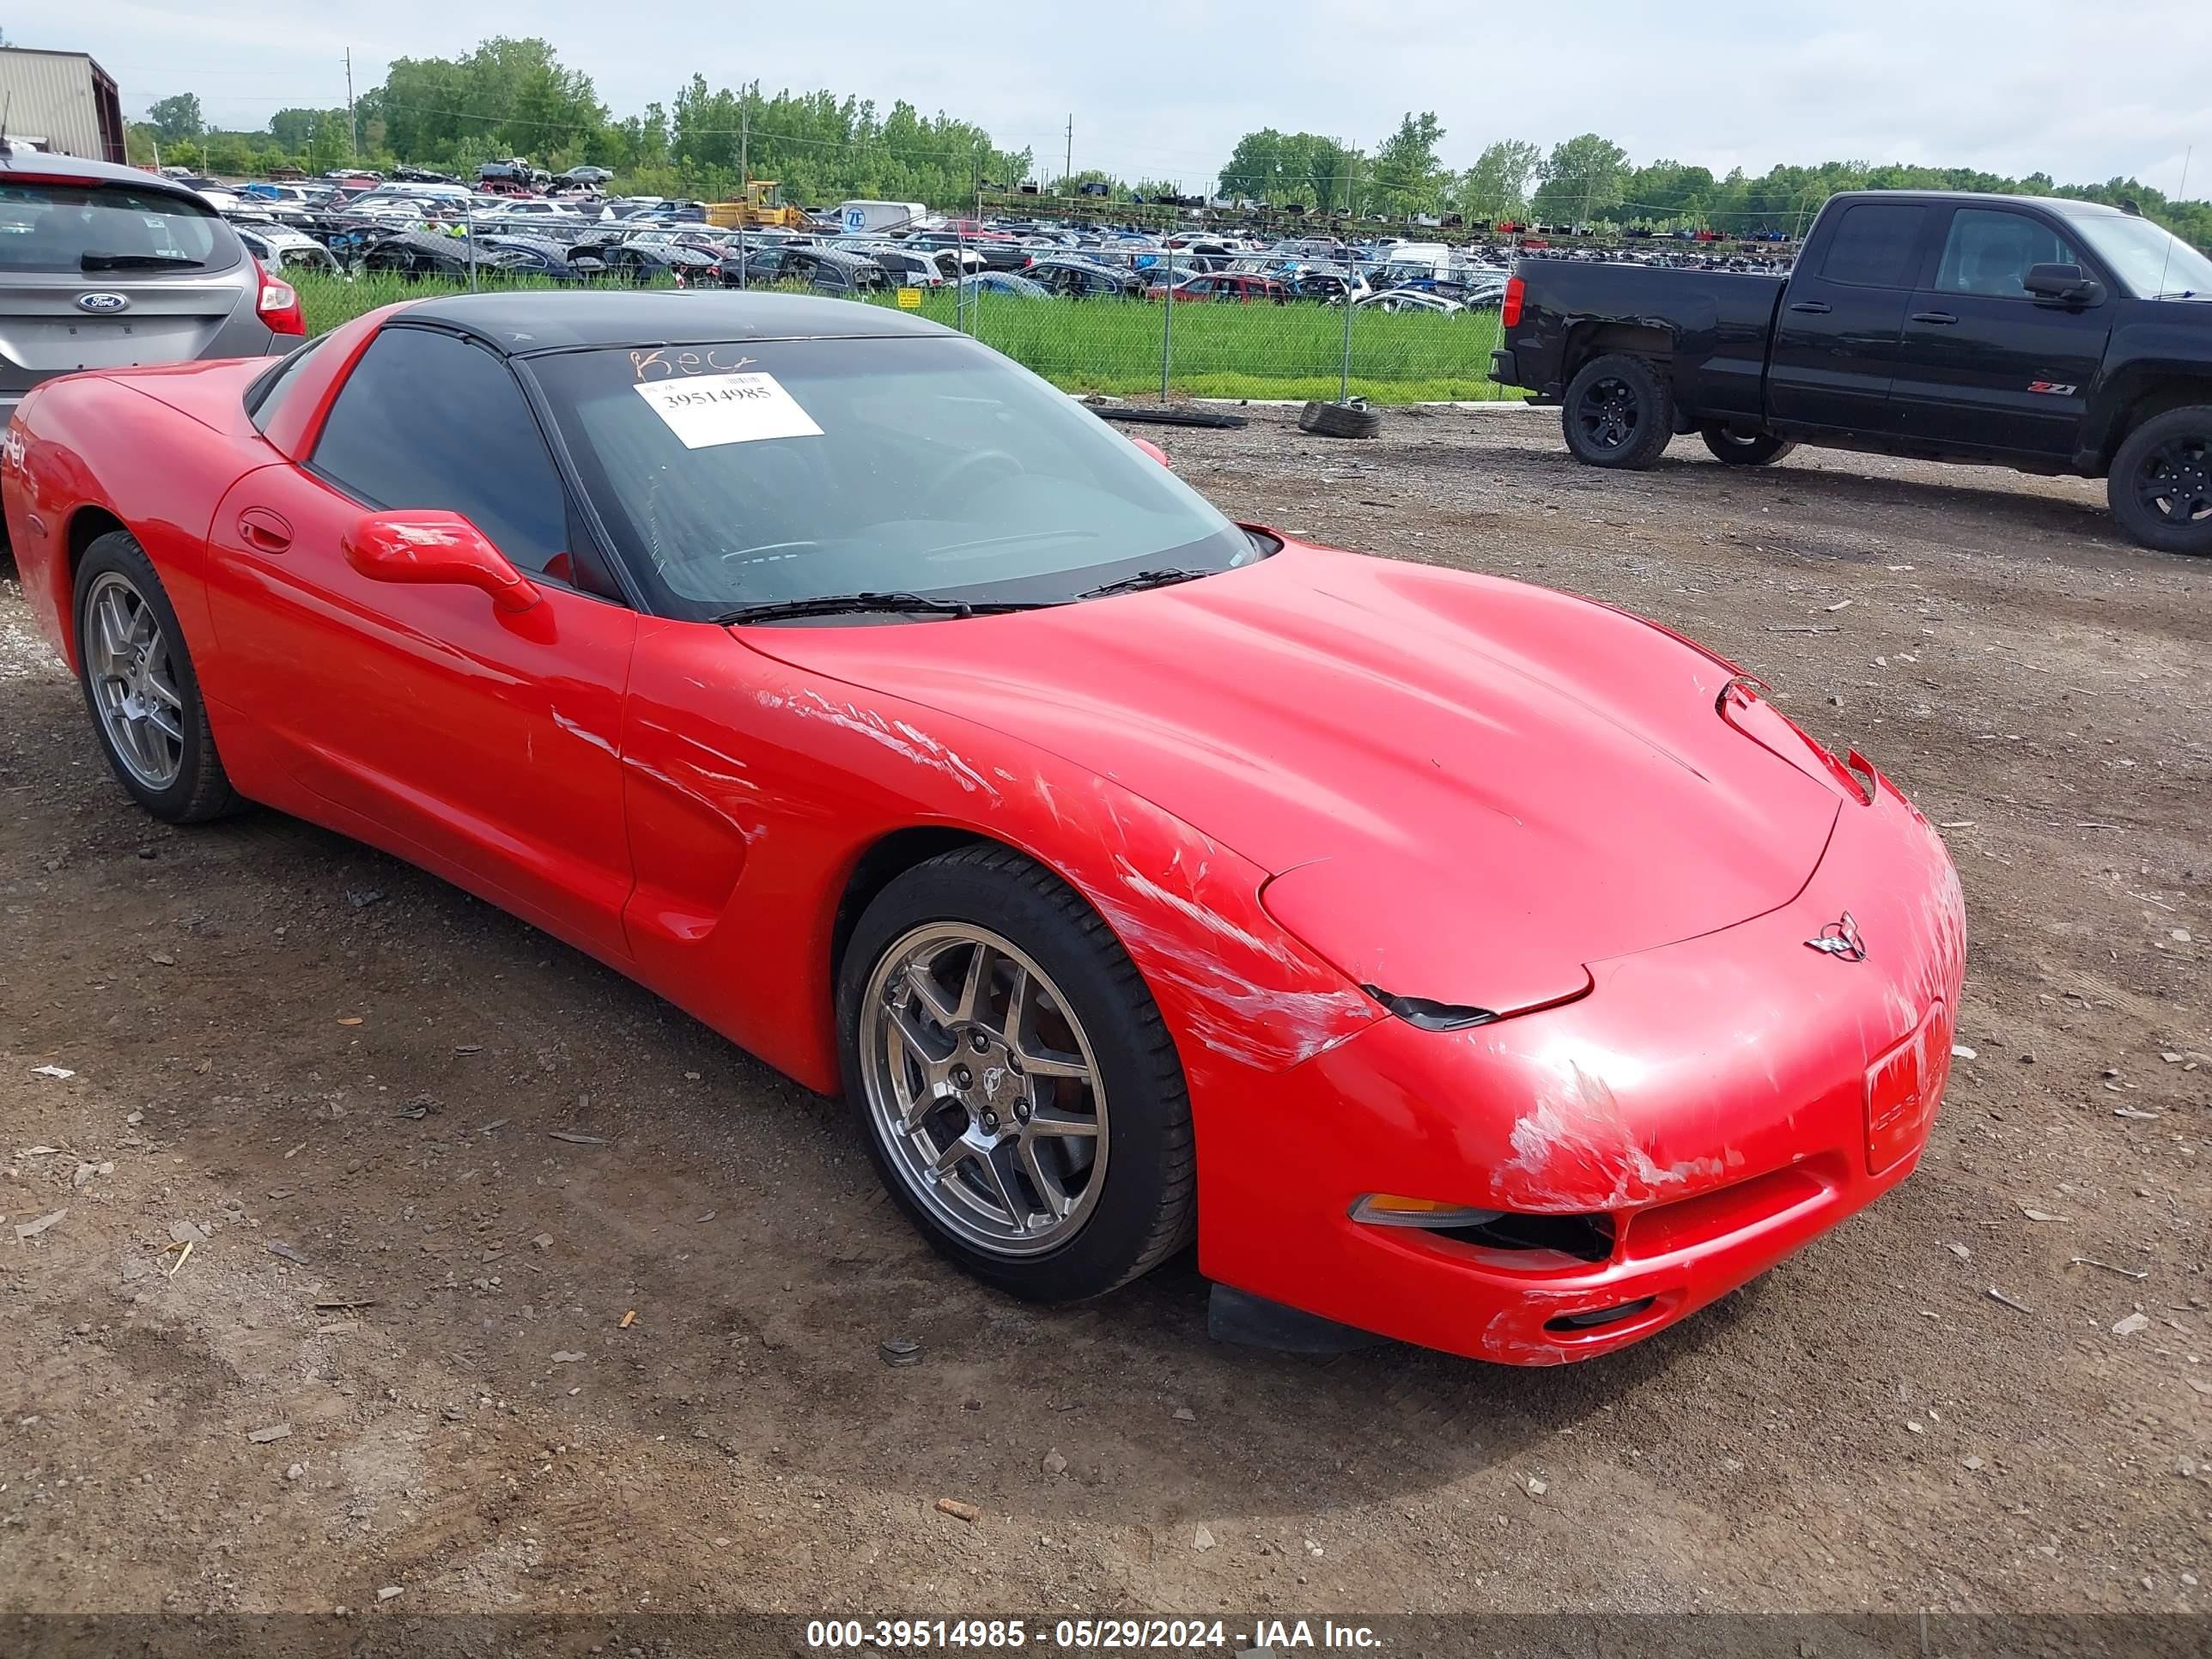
x,y
1933,317
263,531
1818,307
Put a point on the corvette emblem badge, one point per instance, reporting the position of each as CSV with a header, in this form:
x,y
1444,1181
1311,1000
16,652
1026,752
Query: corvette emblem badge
x,y
1840,938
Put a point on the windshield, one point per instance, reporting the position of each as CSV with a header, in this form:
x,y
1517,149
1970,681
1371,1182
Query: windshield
x,y
64,226
2150,260
754,473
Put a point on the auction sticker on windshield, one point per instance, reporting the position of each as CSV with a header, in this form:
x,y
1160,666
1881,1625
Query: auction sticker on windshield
x,y
708,409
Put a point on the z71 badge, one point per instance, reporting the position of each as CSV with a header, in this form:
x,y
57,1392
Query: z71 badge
x,y
2055,388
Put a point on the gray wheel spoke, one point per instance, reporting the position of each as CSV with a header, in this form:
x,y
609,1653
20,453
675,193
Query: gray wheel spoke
x,y
1018,1007
142,738
918,1042
924,985
1051,1121
159,685
976,987
126,733
114,628
913,1108
1002,1190
1047,1186
951,1156
161,720
1046,1062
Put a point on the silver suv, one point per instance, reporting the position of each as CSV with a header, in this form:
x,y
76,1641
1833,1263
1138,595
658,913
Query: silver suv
x,y
107,267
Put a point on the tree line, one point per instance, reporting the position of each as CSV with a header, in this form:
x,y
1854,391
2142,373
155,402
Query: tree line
x,y
1590,181
515,97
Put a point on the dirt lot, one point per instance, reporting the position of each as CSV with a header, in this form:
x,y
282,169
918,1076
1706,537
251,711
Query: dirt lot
x,y
280,1039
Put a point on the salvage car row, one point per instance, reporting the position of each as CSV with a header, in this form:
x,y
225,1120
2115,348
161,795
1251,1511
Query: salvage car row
x,y
399,224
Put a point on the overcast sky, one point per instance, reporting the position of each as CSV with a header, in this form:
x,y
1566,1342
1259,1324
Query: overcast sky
x,y
1164,89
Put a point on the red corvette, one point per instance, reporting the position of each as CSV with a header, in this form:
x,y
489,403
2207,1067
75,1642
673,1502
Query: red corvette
x,y
1450,959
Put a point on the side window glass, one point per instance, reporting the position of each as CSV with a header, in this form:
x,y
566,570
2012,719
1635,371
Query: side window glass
x,y
1989,253
430,419
1875,245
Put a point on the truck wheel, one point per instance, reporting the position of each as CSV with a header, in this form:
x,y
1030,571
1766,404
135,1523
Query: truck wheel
x,y
1618,412
2161,485
1740,447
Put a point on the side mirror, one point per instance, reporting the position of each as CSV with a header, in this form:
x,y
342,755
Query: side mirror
x,y
443,548
2063,285
1154,451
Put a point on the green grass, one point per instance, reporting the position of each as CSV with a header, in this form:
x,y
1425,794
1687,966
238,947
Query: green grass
x,y
1257,351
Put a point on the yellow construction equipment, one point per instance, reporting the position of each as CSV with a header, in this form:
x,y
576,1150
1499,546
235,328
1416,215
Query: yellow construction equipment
x,y
763,205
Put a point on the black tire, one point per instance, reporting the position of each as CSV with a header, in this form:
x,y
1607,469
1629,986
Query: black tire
x,y
1618,412
1147,1207
201,789
1732,446
2161,485
1340,420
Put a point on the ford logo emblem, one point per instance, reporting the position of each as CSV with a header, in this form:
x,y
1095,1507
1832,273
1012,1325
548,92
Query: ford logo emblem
x,y
103,301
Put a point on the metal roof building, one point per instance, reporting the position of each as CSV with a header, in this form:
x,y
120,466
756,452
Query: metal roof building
x,y
61,101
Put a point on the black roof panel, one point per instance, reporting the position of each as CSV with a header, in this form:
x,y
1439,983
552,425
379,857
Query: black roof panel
x,y
552,320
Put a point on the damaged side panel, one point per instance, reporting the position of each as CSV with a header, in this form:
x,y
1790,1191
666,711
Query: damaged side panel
x,y
754,789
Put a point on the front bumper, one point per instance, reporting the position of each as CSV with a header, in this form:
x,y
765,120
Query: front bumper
x,y
1709,1106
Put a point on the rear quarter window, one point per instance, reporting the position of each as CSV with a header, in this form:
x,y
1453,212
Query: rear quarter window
x,y
267,395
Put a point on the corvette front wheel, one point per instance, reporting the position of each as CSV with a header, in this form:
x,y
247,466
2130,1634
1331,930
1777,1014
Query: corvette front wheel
x,y
1019,1089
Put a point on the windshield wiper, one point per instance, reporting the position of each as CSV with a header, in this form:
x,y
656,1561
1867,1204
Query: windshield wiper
x,y
98,261
842,604
1143,578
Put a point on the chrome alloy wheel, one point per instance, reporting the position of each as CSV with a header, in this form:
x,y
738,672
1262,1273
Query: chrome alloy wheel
x,y
134,684
983,1089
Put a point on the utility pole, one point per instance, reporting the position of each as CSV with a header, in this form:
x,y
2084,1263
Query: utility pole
x,y
744,144
353,116
1067,173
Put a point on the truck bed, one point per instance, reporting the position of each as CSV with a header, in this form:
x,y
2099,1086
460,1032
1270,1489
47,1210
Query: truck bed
x,y
1715,322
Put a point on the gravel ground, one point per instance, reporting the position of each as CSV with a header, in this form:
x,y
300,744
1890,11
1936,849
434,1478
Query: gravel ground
x,y
401,1352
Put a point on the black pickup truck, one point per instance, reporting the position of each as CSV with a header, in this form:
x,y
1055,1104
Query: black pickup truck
x,y
2051,336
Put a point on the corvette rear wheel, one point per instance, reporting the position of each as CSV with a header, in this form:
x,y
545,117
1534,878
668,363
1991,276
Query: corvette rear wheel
x,y
1020,1092
140,686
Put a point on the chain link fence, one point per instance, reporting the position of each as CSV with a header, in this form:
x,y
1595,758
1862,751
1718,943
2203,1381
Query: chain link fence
x,y
1131,347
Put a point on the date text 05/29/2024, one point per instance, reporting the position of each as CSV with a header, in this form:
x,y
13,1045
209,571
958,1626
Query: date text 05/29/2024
x,y
1257,1637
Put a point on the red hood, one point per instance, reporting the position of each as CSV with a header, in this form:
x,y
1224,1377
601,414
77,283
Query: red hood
x,y
1466,788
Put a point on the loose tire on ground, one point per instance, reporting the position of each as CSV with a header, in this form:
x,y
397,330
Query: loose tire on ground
x,y
2161,485
143,683
1340,420
1732,447
1618,412
1145,1207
